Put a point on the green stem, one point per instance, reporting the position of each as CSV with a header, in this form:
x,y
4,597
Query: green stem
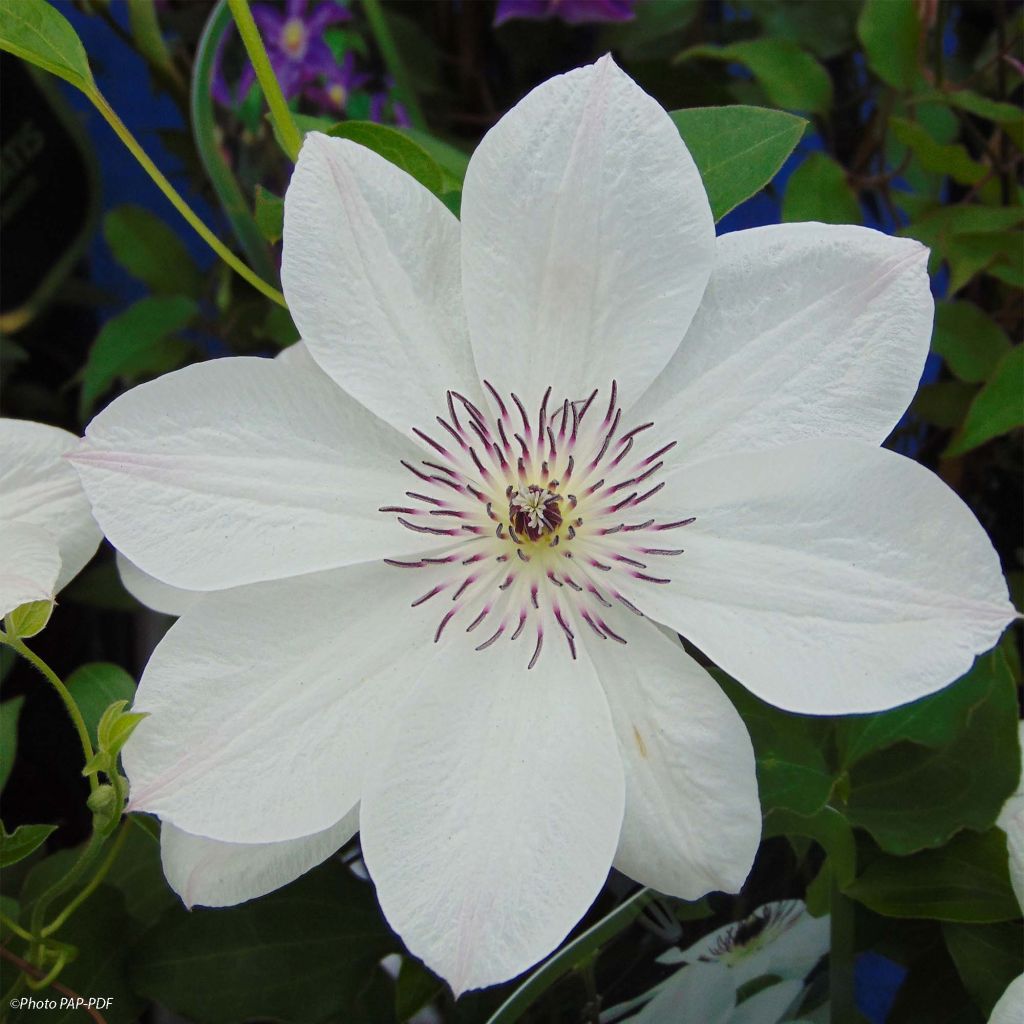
x,y
574,954
841,958
51,976
12,925
204,132
179,204
18,645
287,130
89,854
393,59
93,885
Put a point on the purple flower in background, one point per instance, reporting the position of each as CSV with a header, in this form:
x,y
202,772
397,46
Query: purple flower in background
x,y
295,43
572,12
380,103
339,82
298,53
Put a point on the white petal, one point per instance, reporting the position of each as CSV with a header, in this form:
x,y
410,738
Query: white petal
x,y
693,821
148,590
492,815
208,873
1010,1008
371,273
829,577
1011,821
699,994
265,703
587,239
37,486
805,330
242,469
769,1005
29,565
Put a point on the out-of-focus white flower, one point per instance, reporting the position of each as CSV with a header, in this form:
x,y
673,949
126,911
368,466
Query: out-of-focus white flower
x,y
47,532
1011,821
1010,1008
458,621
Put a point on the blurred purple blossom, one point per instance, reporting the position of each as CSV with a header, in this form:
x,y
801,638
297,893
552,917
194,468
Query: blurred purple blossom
x,y
572,12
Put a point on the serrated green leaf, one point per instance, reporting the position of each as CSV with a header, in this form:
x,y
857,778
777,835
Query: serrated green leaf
x,y
135,344
396,148
969,340
301,954
151,251
35,31
987,957
737,149
943,158
818,190
95,686
967,880
791,77
9,712
997,408
910,796
890,31
17,845
269,213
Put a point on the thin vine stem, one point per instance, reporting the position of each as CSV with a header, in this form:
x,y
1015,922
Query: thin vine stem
x,y
393,60
110,116
11,925
93,885
18,645
287,130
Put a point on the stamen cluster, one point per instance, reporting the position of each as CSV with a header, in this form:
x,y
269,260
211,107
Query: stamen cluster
x,y
543,518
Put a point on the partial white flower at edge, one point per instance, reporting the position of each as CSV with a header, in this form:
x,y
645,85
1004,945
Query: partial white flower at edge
x,y
1010,1008
446,556
779,939
47,532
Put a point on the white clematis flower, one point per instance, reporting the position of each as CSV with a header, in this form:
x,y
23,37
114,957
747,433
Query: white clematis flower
x,y
1011,821
47,532
440,553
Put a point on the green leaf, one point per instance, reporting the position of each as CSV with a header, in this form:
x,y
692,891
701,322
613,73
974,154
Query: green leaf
x,y
136,344
29,619
452,160
970,341
9,711
967,880
791,77
17,845
910,796
151,251
35,31
891,32
395,147
737,149
95,687
792,774
828,828
138,876
943,158
987,957
931,721
997,408
416,987
818,190
944,404
300,954
991,110
269,214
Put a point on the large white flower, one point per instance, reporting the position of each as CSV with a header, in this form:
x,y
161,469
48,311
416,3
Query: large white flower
x,y
446,556
47,532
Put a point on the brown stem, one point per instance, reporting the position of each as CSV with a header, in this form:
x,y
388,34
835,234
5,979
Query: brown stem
x,y
34,972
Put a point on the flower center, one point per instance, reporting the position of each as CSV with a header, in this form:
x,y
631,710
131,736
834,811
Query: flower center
x,y
293,38
543,521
